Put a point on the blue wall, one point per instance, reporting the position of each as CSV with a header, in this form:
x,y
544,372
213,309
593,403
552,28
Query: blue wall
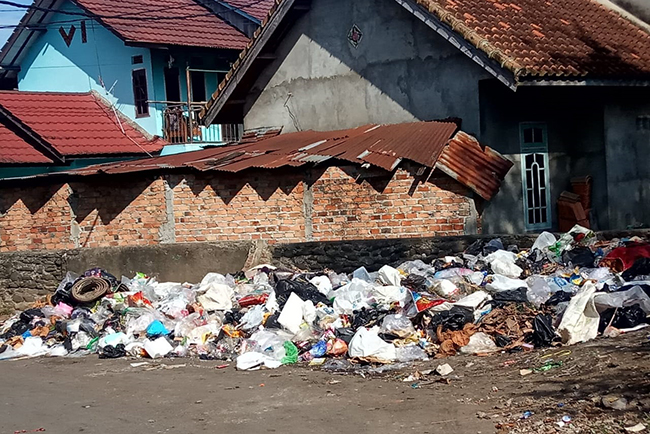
x,y
52,65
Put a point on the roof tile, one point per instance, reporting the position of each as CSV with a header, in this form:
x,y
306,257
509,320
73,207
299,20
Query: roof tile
x,y
77,124
569,38
168,22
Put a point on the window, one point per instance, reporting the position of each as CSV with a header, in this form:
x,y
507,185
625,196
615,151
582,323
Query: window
x,y
172,85
140,93
198,86
136,60
535,175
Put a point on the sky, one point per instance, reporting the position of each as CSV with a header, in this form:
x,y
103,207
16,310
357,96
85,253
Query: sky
x,y
10,16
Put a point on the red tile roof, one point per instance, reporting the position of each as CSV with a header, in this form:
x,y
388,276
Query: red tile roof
x,y
14,150
256,8
431,144
166,22
555,38
77,124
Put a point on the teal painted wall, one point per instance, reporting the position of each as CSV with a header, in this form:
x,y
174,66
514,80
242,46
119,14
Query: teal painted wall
x,y
103,64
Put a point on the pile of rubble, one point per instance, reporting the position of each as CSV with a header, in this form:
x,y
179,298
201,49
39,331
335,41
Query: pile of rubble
x,y
492,298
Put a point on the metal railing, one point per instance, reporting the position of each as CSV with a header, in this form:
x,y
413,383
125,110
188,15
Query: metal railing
x,y
180,125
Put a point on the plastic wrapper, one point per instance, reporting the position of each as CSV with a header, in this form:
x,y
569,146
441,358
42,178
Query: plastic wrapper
x,y
398,325
580,320
479,343
410,353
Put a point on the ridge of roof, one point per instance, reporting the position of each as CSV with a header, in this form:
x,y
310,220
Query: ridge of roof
x,y
276,12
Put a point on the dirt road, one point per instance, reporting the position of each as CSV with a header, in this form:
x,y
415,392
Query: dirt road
x,y
483,395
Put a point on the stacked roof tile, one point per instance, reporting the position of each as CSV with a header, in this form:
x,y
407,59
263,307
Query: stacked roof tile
x,y
258,9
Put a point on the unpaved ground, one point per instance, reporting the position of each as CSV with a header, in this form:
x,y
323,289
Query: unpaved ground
x,y
483,395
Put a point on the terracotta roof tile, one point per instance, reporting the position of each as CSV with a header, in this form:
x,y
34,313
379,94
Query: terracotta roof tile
x,y
256,8
77,123
167,22
14,150
557,38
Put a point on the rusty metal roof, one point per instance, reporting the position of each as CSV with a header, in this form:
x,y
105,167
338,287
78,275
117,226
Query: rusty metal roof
x,y
480,168
436,144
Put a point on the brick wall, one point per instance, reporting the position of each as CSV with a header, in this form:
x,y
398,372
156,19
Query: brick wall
x,y
276,206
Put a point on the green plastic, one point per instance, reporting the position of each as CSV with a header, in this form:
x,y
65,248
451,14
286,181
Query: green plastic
x,y
292,353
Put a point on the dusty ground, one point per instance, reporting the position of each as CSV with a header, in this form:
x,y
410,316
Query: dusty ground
x,y
483,395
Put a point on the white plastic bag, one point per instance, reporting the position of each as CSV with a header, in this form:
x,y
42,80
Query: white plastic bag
x,y
503,283
580,320
620,299
291,316
367,343
503,263
390,276
474,300
352,296
254,360
390,294
323,284
538,290
218,296
253,318
544,241
479,343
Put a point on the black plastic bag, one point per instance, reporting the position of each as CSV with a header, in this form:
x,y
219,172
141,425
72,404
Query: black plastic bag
x,y
302,288
502,340
272,321
476,248
232,317
579,257
512,295
16,329
543,332
452,319
415,282
366,317
492,246
558,297
627,317
345,334
112,352
28,315
641,267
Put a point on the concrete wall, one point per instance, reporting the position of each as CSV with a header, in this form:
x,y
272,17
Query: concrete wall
x,y
638,8
103,64
576,143
401,71
628,146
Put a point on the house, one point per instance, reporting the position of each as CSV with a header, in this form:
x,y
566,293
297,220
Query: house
x,y
370,182
53,131
560,87
155,60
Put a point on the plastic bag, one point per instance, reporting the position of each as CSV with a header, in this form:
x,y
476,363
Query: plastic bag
x,y
503,263
398,325
544,241
254,360
367,343
217,297
362,274
580,320
512,296
620,299
579,257
389,294
253,318
538,290
474,300
543,332
323,284
479,343
445,288
156,328
410,353
291,351
351,297
390,276
292,314
503,283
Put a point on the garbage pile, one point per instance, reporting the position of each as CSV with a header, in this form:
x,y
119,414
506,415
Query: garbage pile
x,y
491,298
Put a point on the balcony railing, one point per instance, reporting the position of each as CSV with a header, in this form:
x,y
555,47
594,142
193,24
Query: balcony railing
x,y
180,125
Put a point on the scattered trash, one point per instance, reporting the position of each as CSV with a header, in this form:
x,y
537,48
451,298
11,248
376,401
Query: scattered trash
x,y
489,299
614,402
444,370
636,428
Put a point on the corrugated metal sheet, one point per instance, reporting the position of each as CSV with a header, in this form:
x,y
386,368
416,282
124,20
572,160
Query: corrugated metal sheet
x,y
480,168
431,144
